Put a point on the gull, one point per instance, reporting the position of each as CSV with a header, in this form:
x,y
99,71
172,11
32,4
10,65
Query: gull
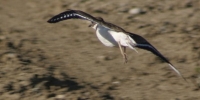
x,y
112,35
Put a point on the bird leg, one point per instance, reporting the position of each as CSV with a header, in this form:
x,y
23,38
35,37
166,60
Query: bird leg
x,y
126,60
123,52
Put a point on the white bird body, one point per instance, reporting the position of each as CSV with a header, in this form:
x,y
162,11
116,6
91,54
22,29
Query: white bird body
x,y
111,38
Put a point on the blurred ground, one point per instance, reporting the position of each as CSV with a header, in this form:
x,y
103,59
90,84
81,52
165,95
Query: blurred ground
x,y
65,61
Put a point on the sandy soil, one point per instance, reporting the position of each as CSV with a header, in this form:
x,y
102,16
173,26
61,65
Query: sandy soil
x,y
66,61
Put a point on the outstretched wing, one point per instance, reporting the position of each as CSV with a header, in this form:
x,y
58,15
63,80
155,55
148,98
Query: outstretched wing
x,y
72,14
77,14
144,44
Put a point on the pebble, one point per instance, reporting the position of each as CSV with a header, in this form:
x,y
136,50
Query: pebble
x,y
136,11
116,82
9,57
60,97
2,38
105,57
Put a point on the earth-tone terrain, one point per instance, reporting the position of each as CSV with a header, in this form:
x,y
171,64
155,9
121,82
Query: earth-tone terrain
x,y
66,61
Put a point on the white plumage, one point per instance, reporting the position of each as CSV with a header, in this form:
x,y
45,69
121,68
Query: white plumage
x,y
111,38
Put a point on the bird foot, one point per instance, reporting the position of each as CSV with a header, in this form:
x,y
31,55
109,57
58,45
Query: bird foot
x,y
125,58
125,61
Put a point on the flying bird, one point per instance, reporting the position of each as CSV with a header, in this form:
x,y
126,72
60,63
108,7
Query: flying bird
x,y
112,35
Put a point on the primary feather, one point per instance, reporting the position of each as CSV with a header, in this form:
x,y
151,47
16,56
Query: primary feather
x,y
72,14
144,44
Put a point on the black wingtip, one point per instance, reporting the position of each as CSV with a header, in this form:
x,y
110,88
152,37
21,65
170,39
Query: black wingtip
x,y
69,14
52,20
56,19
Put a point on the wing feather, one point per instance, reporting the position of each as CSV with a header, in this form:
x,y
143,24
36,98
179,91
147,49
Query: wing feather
x,y
144,44
72,14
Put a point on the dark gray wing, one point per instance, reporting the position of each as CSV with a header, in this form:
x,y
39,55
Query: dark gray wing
x,y
72,14
144,44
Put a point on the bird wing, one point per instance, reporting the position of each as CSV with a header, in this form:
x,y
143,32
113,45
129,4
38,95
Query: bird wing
x,y
72,14
144,44
77,14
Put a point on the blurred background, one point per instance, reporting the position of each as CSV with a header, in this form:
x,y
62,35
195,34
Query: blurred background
x,y
66,61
